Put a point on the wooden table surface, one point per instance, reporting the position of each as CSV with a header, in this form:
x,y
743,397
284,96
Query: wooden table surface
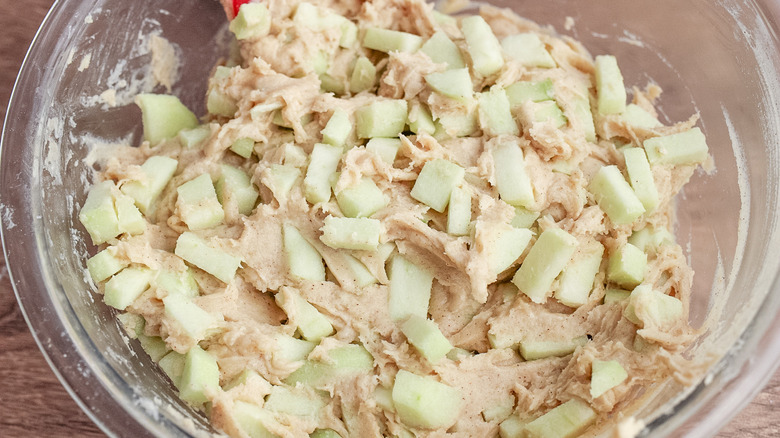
x,y
32,401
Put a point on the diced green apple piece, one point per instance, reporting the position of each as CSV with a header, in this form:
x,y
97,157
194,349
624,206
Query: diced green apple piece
x,y
104,264
363,76
173,282
605,375
424,402
289,349
548,111
689,147
459,123
361,200
495,114
282,179
303,259
508,246
247,377
324,433
337,129
192,138
512,427
312,325
345,361
322,165
163,116
216,262
190,317
132,324
426,337
459,211
615,196
383,118
580,112
386,40
564,421
514,185
533,350
154,346
641,177
384,398
524,91
420,120
524,218
200,376
410,289
252,419
547,258
501,410
576,281
294,401
654,307
351,233
435,183
528,50
483,46
198,205
637,117
126,286
615,295
98,215
649,239
452,83
234,183
349,33
243,146
363,277
627,266
131,221
609,86
158,171
279,120
442,50
252,21
220,104
385,148
172,365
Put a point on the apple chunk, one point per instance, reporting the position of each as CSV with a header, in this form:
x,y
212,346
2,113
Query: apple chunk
x,y
105,264
514,185
627,266
435,183
362,199
424,402
163,116
253,20
383,118
98,214
606,375
322,165
351,233
312,325
495,113
303,259
483,46
343,362
442,50
197,204
452,83
609,86
410,289
191,318
200,376
426,337
689,147
528,50
615,196
157,172
547,258
216,262
126,286
641,177
564,421
386,40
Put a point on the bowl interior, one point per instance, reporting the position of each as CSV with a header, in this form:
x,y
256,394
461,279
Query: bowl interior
x,y
719,60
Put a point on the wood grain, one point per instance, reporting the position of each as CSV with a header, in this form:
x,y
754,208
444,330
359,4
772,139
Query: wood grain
x,y
32,401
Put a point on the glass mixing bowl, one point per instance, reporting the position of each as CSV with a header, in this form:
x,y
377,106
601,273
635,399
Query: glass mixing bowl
x,y
718,58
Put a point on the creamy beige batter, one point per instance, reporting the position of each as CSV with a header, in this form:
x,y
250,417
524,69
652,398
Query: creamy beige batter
x,y
467,302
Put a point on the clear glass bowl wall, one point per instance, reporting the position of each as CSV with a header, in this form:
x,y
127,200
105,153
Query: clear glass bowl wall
x,y
720,59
